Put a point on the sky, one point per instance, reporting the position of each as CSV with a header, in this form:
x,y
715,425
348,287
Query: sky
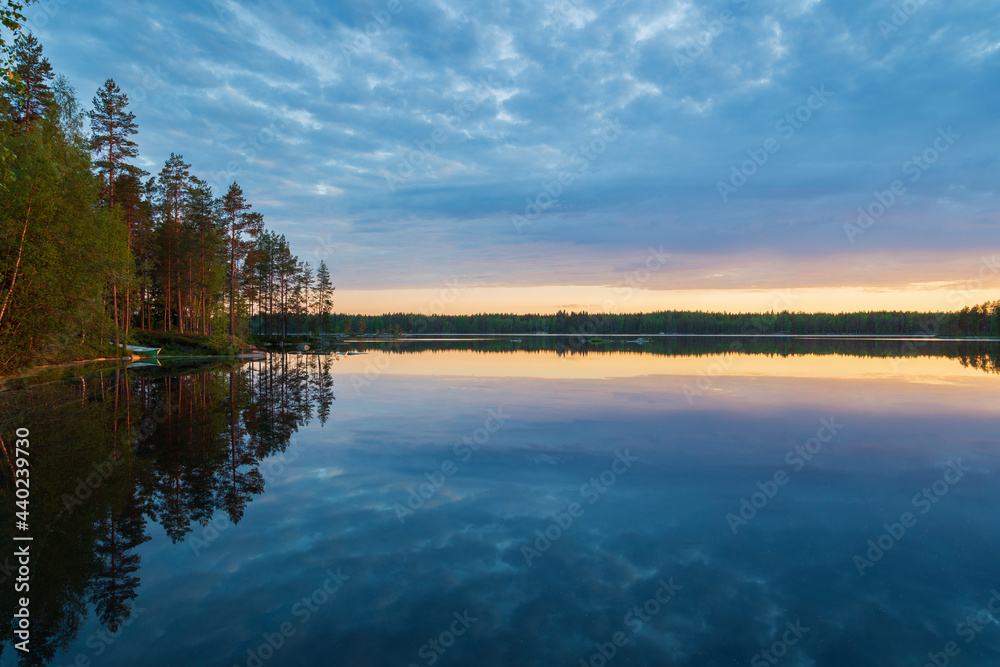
x,y
529,156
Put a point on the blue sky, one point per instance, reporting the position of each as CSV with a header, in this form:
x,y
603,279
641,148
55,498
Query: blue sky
x,y
414,143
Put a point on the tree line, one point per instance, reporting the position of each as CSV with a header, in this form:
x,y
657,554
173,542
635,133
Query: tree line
x,y
981,320
93,247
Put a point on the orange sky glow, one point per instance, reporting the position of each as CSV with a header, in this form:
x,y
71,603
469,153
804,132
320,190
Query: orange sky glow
x,y
471,300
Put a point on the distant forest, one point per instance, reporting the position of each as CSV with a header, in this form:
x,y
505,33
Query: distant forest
x,y
982,320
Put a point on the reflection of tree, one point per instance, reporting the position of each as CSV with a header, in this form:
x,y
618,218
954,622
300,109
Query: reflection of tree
x,y
115,585
982,354
240,485
324,391
121,447
988,362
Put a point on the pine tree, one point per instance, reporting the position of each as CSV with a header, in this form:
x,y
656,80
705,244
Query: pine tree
x,y
111,124
202,216
238,222
172,192
302,289
29,92
323,297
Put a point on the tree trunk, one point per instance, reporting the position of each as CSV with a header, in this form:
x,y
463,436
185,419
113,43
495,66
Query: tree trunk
x,y
17,265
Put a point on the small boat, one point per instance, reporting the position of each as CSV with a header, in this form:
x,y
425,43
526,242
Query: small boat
x,y
515,340
353,353
144,351
638,341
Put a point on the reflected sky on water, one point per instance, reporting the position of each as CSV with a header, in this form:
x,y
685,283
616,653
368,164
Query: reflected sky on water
x,y
460,507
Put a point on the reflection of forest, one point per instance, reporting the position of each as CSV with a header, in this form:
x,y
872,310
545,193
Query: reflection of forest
x,y
121,447
981,354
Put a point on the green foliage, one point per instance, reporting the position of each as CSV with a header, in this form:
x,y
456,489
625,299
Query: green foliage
x,y
981,320
59,253
12,18
86,258
671,322
189,344
111,125
28,94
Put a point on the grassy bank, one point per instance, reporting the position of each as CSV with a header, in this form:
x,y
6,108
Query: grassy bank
x,y
174,344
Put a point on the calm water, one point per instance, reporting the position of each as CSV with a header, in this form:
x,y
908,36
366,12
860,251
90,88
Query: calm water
x,y
488,503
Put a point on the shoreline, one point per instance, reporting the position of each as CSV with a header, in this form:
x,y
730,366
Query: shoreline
x,y
36,370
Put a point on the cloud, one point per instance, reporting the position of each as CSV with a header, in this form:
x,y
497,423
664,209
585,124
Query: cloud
x,y
472,110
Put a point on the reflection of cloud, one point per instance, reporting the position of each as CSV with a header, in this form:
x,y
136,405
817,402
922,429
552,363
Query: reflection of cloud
x,y
664,519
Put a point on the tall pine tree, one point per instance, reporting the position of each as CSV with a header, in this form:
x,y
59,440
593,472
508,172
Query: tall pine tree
x,y
239,223
324,300
111,125
29,90
172,195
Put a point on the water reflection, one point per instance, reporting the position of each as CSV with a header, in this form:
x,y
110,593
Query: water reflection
x,y
163,525
117,448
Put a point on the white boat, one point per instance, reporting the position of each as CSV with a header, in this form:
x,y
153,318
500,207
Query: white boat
x,y
515,340
638,341
353,353
144,351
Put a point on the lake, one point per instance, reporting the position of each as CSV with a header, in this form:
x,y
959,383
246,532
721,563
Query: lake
x,y
694,501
